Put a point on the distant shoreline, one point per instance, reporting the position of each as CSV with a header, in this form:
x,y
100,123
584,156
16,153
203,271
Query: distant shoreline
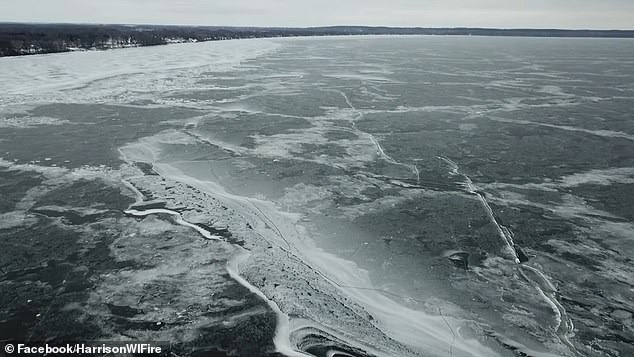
x,y
19,39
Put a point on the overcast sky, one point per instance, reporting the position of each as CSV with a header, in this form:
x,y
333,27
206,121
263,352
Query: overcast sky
x,y
599,14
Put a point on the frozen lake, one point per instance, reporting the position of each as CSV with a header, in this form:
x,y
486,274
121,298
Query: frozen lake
x,y
389,196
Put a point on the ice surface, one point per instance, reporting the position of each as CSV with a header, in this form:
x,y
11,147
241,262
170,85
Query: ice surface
x,y
346,170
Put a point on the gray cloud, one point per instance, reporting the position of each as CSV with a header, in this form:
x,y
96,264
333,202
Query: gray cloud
x,y
604,14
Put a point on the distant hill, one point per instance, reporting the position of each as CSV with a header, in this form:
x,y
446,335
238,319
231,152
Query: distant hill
x,y
23,39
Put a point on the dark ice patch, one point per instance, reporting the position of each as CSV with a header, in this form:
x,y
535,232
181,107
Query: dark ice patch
x,y
86,193
13,187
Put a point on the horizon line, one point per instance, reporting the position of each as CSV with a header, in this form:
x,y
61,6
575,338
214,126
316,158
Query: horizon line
x,y
313,27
